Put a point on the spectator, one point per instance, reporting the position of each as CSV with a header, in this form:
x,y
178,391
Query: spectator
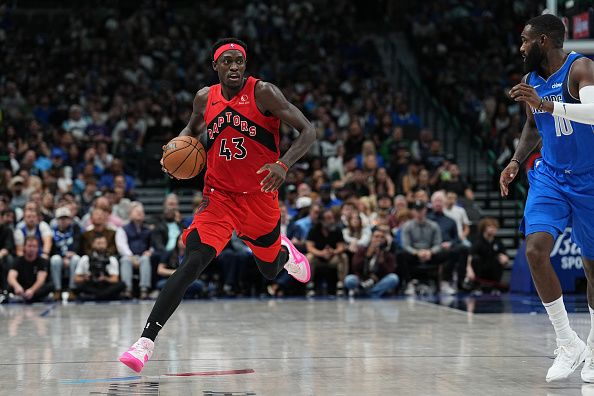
x,y
451,244
422,255
170,264
133,242
7,250
116,169
326,197
459,215
66,243
102,202
326,253
19,196
383,184
27,278
98,227
31,226
97,274
489,258
76,123
355,234
373,267
455,183
300,229
166,230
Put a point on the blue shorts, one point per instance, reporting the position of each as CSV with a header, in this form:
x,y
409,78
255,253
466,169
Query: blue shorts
x,y
557,200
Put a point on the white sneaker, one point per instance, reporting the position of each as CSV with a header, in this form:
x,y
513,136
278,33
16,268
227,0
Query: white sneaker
x,y
588,369
568,358
297,266
447,289
411,288
138,354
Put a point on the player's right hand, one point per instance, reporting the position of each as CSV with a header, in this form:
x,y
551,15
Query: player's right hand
x,y
507,176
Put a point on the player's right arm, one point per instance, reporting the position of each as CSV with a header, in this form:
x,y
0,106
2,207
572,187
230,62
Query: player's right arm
x,y
196,124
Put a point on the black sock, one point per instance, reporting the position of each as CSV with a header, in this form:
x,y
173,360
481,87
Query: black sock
x,y
196,259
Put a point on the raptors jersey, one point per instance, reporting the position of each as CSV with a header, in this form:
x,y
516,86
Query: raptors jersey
x,y
240,140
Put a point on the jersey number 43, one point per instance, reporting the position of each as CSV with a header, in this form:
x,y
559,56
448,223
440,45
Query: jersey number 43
x,y
239,152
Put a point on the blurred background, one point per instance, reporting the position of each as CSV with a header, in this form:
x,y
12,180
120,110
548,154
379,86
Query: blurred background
x,y
409,100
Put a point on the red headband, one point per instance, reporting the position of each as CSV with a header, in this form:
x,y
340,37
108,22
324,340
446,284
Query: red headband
x,y
227,47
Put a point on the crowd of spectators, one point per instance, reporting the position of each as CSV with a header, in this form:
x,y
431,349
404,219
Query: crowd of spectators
x,y
450,38
115,81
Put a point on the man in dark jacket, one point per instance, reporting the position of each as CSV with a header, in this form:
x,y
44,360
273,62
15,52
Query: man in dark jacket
x,y
7,252
373,267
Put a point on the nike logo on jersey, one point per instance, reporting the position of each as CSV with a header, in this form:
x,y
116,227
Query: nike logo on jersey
x,y
214,103
536,86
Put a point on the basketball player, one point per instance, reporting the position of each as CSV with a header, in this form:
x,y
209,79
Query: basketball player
x,y
559,93
241,117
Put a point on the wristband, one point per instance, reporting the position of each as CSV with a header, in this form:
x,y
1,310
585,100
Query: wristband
x,y
285,167
515,160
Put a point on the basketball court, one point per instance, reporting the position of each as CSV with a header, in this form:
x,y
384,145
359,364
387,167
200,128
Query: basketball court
x,y
290,347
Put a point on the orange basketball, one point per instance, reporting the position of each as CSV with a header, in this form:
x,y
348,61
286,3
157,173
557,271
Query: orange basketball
x,y
184,157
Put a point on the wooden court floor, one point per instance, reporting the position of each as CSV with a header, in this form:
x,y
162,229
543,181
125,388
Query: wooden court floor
x,y
282,347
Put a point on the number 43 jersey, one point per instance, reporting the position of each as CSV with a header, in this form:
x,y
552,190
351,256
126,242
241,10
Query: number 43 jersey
x,y
240,140
566,145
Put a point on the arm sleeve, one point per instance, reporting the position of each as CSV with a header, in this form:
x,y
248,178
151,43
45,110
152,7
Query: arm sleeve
x,y
121,240
578,112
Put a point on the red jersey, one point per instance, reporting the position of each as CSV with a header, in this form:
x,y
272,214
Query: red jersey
x,y
240,140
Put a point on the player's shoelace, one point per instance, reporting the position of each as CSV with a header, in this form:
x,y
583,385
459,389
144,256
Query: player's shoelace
x,y
562,354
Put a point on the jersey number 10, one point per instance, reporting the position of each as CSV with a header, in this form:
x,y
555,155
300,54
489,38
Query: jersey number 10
x,y
562,126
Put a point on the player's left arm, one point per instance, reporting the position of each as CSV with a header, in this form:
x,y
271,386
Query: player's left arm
x,y
271,100
582,83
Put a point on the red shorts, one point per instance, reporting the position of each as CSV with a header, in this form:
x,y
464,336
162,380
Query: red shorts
x,y
254,216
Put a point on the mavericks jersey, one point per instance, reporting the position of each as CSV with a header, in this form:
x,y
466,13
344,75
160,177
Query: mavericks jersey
x,y
566,145
240,140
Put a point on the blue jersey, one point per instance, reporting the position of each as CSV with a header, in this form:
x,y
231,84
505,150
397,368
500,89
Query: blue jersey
x,y
566,145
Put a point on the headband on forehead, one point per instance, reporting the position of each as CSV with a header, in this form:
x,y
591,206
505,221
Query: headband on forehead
x,y
227,47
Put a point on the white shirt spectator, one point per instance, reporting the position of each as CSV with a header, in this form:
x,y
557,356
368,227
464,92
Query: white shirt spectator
x,y
19,237
113,268
460,217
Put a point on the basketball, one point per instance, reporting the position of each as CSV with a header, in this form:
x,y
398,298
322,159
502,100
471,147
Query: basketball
x,y
184,157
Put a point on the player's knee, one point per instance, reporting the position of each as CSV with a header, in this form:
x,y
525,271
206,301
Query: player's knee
x,y
537,254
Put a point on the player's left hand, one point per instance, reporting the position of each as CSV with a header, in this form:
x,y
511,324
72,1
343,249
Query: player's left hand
x,y
525,93
275,177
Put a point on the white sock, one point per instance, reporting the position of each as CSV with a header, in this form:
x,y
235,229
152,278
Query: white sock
x,y
559,319
591,335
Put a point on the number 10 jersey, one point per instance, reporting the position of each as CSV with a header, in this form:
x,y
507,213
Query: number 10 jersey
x,y
566,145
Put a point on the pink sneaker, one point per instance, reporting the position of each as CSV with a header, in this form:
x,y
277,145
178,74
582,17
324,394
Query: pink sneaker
x,y
138,354
297,266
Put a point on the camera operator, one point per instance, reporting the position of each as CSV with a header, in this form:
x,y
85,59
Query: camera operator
x,y
97,275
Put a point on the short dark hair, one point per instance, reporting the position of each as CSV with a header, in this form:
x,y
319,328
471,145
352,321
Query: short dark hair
x,y
550,26
226,40
30,238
